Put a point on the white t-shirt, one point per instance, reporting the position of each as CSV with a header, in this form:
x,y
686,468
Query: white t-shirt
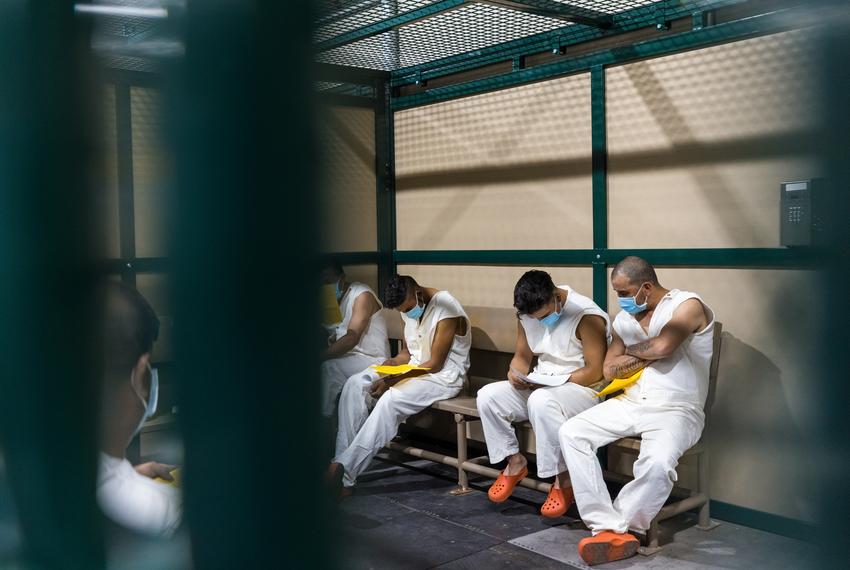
x,y
135,501
375,342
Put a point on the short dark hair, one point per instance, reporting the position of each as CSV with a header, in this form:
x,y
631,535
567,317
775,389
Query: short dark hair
x,y
636,269
533,290
334,266
130,326
397,290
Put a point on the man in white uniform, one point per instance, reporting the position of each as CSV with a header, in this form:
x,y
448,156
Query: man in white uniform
x,y
437,336
129,495
569,334
667,334
357,342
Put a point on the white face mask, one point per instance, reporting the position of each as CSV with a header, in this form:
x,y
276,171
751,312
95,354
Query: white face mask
x,y
150,405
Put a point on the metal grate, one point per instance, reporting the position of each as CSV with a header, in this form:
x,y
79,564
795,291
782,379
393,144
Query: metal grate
x,y
396,34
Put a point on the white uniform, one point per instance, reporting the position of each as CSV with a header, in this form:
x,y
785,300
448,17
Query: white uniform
x,y
362,434
559,352
373,348
135,501
664,407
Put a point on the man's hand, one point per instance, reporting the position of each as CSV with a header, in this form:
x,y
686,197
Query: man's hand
x,y
153,470
379,386
389,362
520,384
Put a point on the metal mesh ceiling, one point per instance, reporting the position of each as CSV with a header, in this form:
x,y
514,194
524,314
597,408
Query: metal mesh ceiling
x,y
394,34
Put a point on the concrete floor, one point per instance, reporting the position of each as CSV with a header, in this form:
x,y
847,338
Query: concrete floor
x,y
402,516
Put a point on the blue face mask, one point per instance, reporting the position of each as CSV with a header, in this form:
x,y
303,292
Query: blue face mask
x,y
416,311
552,319
629,304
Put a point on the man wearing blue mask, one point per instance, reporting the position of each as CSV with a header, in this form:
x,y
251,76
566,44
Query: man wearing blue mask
x,y
358,341
437,337
129,393
568,334
668,334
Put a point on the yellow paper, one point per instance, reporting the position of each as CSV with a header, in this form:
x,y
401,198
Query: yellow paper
x,y
330,307
177,476
400,369
618,384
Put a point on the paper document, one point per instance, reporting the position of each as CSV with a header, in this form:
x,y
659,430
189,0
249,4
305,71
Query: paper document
x,y
400,369
542,379
177,476
618,384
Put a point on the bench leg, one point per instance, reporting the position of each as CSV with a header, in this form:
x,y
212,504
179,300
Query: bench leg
x,y
705,522
651,540
462,477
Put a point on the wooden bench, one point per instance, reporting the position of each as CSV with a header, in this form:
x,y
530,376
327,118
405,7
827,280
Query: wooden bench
x,y
464,410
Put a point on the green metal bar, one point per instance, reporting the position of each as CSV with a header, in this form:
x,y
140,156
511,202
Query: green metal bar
x,y
742,257
385,184
126,216
558,11
245,273
354,257
748,27
626,21
389,24
345,100
347,74
599,154
49,351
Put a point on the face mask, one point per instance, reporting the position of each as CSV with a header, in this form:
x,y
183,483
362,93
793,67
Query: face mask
x,y
416,311
551,320
150,405
629,304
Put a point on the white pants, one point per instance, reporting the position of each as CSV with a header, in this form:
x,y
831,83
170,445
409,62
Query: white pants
x,y
334,374
667,431
500,404
362,434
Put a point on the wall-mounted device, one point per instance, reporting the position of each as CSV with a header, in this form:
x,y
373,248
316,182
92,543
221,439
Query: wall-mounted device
x,y
801,216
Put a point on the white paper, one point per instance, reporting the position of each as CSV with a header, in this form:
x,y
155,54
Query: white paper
x,y
542,379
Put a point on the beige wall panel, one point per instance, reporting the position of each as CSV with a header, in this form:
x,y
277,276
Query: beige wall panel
x,y
367,274
763,409
107,197
504,170
156,288
700,141
347,167
154,210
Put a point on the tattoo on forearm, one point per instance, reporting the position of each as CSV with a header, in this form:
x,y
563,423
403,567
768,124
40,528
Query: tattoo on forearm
x,y
626,368
640,350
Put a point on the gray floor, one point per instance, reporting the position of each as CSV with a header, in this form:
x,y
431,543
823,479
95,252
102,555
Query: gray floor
x,y
402,516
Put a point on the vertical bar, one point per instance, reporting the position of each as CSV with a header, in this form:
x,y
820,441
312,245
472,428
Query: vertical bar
x,y
600,183
385,177
126,216
245,282
462,476
49,354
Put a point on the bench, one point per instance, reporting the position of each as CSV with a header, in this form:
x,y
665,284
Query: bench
x,y
465,412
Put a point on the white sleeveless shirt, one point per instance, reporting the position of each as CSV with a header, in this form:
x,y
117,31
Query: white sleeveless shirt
x,y
681,378
374,343
419,334
558,350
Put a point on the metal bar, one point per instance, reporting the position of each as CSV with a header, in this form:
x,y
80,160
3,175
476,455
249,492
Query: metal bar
x,y
385,184
126,215
344,100
748,27
599,160
238,240
346,10
462,476
743,257
558,11
354,257
346,74
627,21
389,24
49,346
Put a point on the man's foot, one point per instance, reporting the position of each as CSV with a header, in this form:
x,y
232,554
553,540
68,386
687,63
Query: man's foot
x,y
607,547
333,480
557,503
503,486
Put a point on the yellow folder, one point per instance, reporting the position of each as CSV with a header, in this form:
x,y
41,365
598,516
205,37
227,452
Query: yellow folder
x,y
400,369
331,314
177,476
618,384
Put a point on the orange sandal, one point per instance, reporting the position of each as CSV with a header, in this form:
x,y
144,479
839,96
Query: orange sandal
x,y
557,502
504,485
607,547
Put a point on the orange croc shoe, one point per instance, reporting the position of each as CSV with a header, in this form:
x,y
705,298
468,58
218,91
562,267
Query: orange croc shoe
x,y
607,547
557,503
504,485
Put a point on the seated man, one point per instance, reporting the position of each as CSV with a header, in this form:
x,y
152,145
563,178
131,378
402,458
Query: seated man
x,y
569,334
667,334
357,342
437,336
129,495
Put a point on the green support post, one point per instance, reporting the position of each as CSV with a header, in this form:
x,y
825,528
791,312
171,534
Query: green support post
x,y
599,159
